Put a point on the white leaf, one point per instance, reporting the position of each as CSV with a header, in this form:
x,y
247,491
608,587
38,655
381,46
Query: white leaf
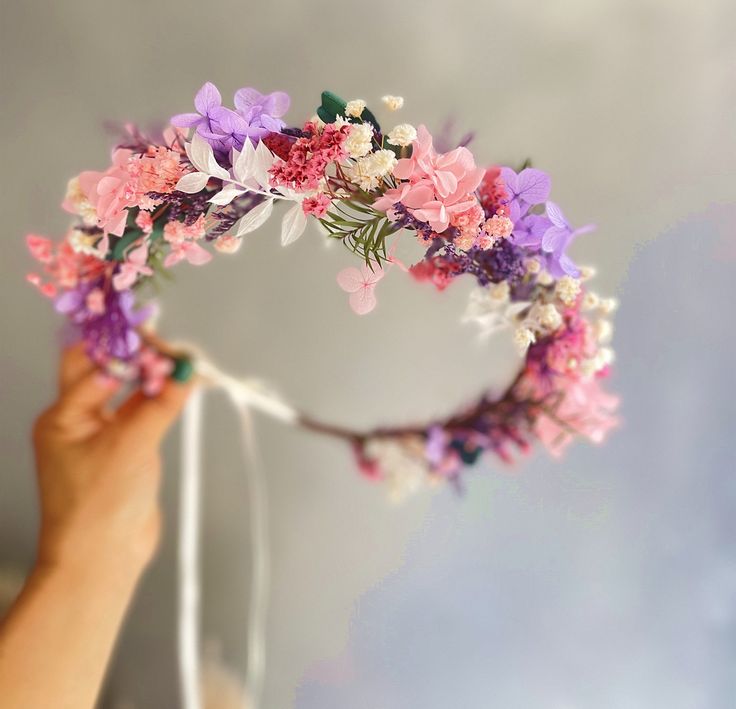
x,y
293,224
226,195
198,152
202,157
192,182
263,162
253,219
244,164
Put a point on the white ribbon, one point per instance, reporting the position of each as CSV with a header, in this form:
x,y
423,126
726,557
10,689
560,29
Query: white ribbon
x,y
246,395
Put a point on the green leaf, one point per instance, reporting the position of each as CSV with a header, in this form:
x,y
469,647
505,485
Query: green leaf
x,y
332,106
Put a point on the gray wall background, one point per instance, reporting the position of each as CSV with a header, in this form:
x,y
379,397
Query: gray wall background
x,y
607,580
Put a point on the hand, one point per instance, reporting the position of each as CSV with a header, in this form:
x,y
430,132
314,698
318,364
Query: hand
x,y
99,470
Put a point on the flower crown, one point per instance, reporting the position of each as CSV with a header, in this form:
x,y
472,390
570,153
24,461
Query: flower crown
x,y
217,174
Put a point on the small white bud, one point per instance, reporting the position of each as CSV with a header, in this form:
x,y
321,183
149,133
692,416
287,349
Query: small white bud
x,y
499,291
603,331
567,289
393,103
608,305
523,337
590,301
587,272
549,317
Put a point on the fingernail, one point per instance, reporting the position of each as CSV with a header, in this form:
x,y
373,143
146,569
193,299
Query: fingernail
x,y
183,369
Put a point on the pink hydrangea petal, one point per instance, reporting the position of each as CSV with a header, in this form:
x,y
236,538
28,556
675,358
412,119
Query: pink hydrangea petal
x,y
363,300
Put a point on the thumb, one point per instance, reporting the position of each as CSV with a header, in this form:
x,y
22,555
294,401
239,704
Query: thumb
x,y
147,419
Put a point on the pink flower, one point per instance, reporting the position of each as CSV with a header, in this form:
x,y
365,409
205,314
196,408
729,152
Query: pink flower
x,y
156,170
40,248
109,193
154,368
182,239
62,263
586,408
309,157
361,284
317,205
144,222
95,301
132,267
436,186
187,251
127,182
176,231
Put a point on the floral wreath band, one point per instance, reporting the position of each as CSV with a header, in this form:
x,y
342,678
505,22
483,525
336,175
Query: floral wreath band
x,y
215,175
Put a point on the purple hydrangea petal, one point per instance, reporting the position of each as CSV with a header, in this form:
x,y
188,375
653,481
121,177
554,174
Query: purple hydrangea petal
x,y
207,98
555,238
246,98
276,104
186,120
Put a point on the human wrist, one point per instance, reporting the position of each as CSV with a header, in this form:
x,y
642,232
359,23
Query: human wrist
x,y
91,561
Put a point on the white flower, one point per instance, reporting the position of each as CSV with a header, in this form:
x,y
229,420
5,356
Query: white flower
x,y
549,317
404,134
533,266
367,171
341,121
523,337
359,140
359,174
500,291
544,279
608,305
83,243
355,108
603,330
491,310
402,464
381,163
587,272
76,198
567,289
393,103
590,301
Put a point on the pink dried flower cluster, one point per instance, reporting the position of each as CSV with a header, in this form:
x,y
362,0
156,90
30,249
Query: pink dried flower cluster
x,y
317,206
309,157
62,264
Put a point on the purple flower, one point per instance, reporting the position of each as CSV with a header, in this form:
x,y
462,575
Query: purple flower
x,y
262,111
225,129
555,241
221,127
526,189
111,333
529,230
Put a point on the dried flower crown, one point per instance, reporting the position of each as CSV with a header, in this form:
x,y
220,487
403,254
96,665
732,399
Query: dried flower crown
x,y
217,174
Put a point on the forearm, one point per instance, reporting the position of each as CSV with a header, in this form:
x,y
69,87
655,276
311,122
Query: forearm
x,y
56,641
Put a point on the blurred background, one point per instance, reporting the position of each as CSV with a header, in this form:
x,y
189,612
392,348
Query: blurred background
x,y
606,580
